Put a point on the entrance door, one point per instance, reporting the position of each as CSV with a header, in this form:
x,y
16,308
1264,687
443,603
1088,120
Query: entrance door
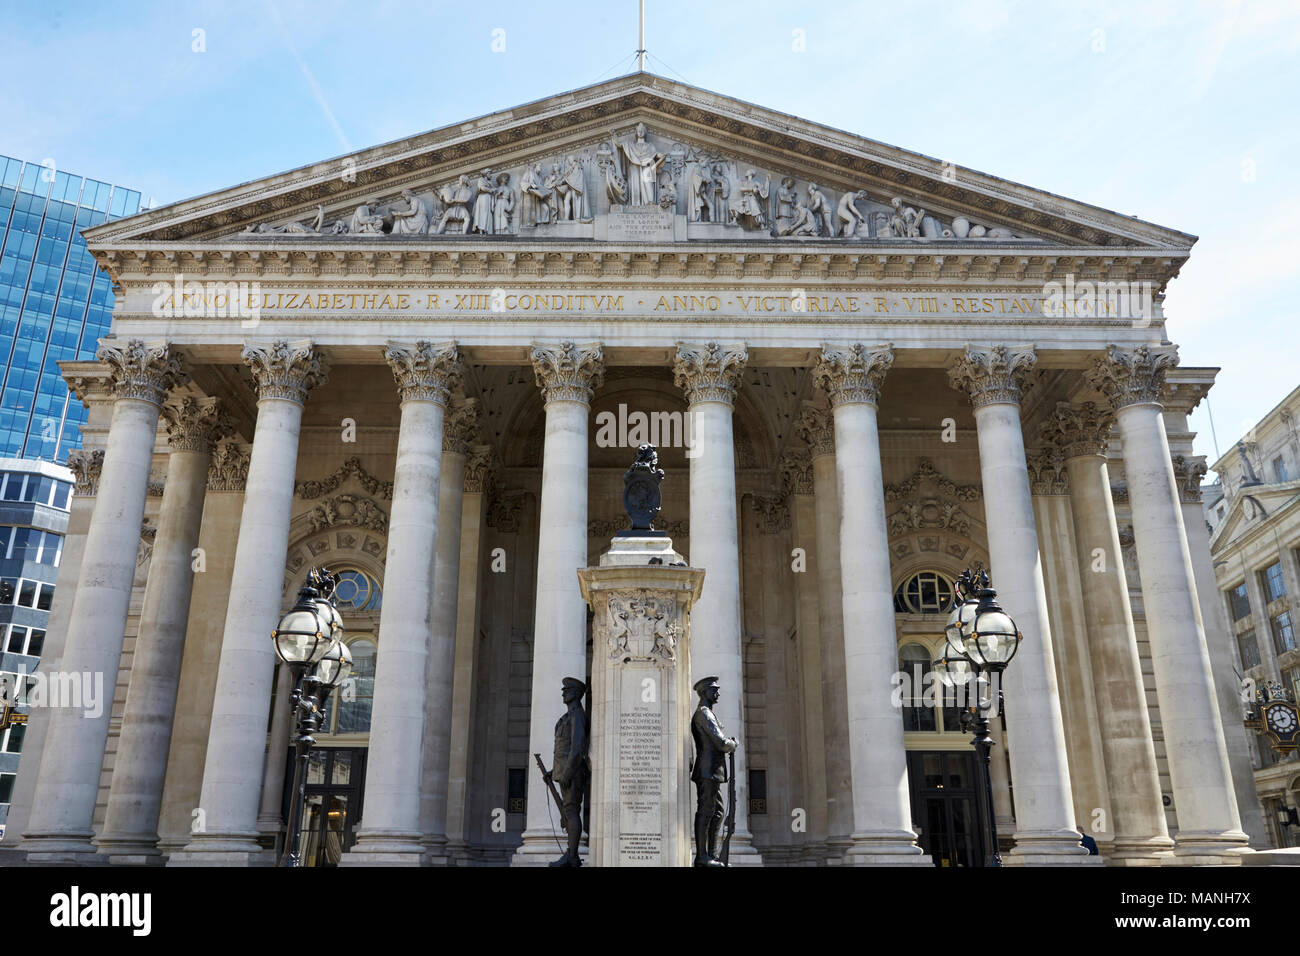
x,y
946,806
335,783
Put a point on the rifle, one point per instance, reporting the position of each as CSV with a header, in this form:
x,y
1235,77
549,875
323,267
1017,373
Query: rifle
x,y
731,808
550,784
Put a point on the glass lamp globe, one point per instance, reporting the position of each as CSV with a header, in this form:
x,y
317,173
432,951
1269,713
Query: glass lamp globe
x,y
994,638
952,671
335,667
303,635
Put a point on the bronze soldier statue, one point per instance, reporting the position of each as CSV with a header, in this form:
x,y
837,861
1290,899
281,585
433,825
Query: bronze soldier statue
x,y
571,769
710,772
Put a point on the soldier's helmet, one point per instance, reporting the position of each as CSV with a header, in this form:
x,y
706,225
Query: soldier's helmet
x,y
704,683
575,684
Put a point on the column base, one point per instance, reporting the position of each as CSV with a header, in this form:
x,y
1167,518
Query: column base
x,y
885,848
458,851
1053,848
139,849
1156,851
385,848
544,847
836,848
44,849
436,852
1210,849
223,849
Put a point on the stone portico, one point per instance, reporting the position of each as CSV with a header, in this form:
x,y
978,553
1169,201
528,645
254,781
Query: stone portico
x,y
428,365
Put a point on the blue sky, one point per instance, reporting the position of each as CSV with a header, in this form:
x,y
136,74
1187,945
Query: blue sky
x,y
1183,113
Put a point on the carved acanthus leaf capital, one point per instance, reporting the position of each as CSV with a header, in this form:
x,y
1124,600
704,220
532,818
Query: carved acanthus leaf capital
x,y
425,372
460,427
1132,376
480,469
853,375
91,388
710,372
1188,473
145,372
797,473
196,424
286,370
816,426
992,375
1078,430
228,470
86,467
772,512
1047,475
568,372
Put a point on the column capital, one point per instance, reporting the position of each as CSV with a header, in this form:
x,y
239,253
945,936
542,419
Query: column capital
x,y
481,469
140,370
796,472
287,370
710,372
816,426
1078,430
425,372
568,372
86,467
195,424
90,384
460,428
228,470
1188,472
1047,474
994,374
1132,376
855,374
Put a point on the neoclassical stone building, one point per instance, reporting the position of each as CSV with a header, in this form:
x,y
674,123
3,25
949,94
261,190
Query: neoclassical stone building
x,y
426,367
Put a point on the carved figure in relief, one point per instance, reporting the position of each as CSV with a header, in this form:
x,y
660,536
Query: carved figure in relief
x,y
552,190
786,197
820,207
572,189
308,229
698,198
532,197
719,193
457,198
709,772
905,223
850,218
504,208
415,220
485,192
751,196
668,195
803,223
642,167
365,223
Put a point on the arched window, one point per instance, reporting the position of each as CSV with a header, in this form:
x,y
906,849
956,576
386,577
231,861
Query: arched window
x,y
926,592
914,662
353,702
356,591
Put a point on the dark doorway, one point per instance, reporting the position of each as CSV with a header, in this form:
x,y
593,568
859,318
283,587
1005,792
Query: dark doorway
x,y
946,806
335,784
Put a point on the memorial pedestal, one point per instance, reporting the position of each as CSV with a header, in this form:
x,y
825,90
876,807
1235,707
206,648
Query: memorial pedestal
x,y
640,703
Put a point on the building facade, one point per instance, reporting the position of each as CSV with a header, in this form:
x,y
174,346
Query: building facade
x,y
1255,514
426,367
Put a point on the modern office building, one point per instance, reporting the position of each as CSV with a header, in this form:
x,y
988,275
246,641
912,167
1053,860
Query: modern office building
x,y
53,304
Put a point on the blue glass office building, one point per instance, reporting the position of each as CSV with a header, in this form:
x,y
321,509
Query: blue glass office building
x,y
54,304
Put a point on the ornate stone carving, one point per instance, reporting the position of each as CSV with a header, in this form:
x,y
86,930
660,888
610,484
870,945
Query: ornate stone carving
x,y
1078,430
1131,376
917,511
640,167
1047,475
1188,473
504,513
773,513
146,372
853,375
424,372
926,471
641,626
285,370
992,375
710,372
568,372
352,468
816,426
155,487
480,469
1119,491
86,467
460,427
148,534
348,510
90,388
228,470
195,424
796,473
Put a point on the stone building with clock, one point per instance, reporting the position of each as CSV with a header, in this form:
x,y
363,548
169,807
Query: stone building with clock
x,y
426,367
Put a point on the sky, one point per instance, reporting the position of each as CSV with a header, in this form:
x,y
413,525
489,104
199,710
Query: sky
x,y
1183,113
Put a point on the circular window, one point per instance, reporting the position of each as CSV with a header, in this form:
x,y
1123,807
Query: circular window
x,y
357,591
926,592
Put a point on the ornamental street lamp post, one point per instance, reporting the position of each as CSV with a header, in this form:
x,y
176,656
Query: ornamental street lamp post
x,y
309,639
981,639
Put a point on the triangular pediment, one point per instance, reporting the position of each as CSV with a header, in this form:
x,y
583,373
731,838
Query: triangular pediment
x,y
1253,506
559,167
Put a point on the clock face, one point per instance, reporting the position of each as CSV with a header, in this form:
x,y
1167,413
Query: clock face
x,y
1281,720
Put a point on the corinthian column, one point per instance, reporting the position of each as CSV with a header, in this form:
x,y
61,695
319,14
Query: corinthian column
x,y
130,832
390,834
1045,823
232,775
1209,829
816,427
567,374
882,815
1080,433
59,829
710,374
458,433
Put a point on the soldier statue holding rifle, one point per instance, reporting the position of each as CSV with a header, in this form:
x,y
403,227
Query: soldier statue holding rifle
x,y
712,749
570,770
